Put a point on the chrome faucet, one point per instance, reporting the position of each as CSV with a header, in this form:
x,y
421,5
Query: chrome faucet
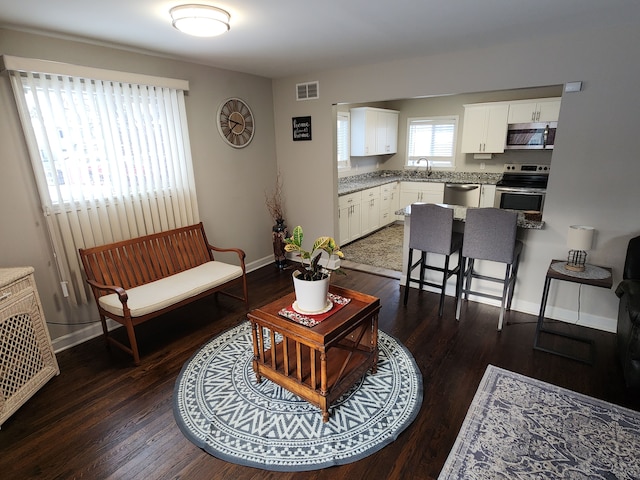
x,y
429,171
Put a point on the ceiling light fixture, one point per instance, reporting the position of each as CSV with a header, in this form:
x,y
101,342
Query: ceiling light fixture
x,y
200,20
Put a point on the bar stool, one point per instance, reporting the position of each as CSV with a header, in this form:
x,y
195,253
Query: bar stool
x,y
490,234
432,232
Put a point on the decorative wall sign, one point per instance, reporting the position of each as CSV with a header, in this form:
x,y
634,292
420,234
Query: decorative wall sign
x,y
301,128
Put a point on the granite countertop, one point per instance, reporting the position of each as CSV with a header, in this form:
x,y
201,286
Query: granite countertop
x,y
460,213
357,183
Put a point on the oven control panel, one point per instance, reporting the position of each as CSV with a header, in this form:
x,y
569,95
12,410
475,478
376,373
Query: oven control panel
x,y
526,168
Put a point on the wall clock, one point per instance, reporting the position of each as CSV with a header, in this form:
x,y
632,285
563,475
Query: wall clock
x,y
235,122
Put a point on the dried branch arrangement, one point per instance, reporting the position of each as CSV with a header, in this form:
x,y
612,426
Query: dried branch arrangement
x,y
274,200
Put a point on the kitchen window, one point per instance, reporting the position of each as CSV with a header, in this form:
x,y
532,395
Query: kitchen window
x,y
431,141
344,147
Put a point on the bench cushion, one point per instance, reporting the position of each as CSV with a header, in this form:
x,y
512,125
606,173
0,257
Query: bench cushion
x,y
167,291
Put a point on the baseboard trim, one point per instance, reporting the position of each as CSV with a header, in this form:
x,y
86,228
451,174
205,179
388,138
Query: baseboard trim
x,y
605,324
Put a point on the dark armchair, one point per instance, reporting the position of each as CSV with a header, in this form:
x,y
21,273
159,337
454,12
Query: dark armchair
x,y
629,315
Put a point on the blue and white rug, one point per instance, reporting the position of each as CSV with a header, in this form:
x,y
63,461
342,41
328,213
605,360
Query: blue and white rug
x,y
519,427
219,407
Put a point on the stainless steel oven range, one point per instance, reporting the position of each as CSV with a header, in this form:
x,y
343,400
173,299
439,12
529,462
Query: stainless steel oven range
x,y
522,187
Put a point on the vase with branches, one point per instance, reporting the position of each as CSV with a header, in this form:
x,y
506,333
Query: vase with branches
x,y
274,201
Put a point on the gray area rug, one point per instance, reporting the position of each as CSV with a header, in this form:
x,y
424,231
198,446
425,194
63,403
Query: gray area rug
x,y
219,407
380,249
518,428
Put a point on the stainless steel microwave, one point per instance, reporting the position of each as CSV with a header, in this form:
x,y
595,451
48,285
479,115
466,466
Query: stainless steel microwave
x,y
531,136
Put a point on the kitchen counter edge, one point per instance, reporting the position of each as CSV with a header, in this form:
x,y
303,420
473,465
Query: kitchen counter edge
x,y
460,213
357,183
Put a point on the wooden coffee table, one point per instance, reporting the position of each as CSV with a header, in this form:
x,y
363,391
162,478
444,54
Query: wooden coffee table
x,y
317,363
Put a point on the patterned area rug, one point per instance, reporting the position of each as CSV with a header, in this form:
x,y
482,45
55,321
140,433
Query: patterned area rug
x,y
518,427
219,406
380,249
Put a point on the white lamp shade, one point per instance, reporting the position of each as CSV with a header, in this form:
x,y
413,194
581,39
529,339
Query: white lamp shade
x,y
580,237
200,20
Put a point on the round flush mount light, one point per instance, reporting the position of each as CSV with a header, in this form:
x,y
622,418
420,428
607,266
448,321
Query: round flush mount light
x,y
200,20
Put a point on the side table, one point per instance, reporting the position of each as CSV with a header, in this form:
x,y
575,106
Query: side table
x,y
593,275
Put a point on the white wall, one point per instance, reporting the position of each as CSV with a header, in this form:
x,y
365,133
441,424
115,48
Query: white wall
x,y
595,162
230,183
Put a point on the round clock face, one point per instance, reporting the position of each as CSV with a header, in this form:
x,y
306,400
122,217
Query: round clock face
x,y
235,122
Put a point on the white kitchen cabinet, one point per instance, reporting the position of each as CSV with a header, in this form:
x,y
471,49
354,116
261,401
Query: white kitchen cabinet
x,y
374,131
389,197
349,217
485,127
536,110
370,210
387,132
425,192
487,195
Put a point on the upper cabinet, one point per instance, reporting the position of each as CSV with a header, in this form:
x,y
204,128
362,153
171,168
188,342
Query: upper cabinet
x,y
374,131
540,110
485,127
485,124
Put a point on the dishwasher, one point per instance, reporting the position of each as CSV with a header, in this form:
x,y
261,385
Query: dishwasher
x,y
463,194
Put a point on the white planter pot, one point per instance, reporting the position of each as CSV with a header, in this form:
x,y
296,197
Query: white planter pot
x,y
311,296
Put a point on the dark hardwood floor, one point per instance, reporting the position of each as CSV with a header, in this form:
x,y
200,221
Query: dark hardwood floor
x,y
102,417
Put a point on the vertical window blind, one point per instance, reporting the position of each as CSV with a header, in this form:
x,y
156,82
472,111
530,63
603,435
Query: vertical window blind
x,y
111,160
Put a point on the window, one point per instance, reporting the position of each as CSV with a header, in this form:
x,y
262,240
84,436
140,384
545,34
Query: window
x,y
431,141
344,145
111,160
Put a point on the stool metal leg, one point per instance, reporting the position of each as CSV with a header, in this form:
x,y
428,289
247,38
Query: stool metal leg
x,y
445,276
505,294
406,286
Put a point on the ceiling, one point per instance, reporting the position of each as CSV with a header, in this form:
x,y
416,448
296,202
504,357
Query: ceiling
x,y
280,38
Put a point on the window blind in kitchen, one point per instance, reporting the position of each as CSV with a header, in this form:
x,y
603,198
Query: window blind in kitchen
x,y
111,160
433,139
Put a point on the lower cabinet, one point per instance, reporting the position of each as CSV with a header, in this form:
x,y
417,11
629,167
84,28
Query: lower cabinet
x,y
370,210
349,217
425,192
389,198
487,195
363,212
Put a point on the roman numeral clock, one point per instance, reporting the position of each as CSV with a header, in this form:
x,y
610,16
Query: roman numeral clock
x,y
235,122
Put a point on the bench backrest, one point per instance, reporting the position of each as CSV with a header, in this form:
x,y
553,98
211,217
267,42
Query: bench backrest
x,y
135,262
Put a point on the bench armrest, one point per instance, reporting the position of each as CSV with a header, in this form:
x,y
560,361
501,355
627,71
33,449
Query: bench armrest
x,y
240,252
122,293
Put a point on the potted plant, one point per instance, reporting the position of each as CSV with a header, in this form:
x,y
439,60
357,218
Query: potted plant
x,y
311,283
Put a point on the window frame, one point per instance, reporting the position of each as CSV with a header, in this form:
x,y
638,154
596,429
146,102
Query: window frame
x,y
440,162
344,164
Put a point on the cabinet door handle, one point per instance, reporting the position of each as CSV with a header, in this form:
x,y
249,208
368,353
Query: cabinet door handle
x,y
4,296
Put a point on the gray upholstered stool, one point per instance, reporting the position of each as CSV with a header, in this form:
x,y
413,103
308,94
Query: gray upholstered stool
x,y
432,232
490,234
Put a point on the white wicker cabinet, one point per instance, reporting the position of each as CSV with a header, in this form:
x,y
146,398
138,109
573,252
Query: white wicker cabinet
x,y
27,360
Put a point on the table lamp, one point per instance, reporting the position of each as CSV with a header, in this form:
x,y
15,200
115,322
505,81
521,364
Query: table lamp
x,y
579,240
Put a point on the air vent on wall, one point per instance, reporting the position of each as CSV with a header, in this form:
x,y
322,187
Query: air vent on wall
x,y
307,91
